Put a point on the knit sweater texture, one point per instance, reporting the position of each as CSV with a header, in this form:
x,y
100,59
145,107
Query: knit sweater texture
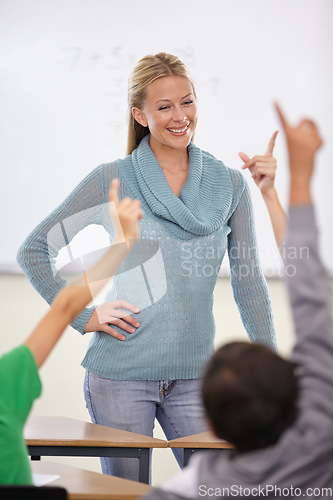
x,y
171,273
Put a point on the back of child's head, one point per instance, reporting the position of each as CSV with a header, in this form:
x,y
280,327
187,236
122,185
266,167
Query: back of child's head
x,y
250,395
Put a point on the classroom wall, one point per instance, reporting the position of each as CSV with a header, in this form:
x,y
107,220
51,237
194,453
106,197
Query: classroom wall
x,y
20,309
64,67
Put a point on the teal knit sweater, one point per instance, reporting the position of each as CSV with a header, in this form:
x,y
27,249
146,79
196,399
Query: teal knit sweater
x,y
171,273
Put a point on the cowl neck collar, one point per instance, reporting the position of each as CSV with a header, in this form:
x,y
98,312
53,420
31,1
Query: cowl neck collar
x,y
205,198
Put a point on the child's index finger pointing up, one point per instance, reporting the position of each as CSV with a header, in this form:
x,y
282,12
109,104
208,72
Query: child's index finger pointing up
x,y
271,144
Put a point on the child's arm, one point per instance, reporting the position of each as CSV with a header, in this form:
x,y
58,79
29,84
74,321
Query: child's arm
x,y
263,169
309,288
72,299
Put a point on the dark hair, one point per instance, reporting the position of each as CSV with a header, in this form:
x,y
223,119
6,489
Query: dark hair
x,y
250,395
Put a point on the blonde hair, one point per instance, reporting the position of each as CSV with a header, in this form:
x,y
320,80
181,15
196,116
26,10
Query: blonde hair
x,y
146,71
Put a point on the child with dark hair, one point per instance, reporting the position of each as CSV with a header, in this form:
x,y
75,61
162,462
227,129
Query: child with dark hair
x,y
250,395
278,414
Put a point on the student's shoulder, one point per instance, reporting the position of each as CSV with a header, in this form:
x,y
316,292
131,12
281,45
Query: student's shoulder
x,y
20,382
182,486
12,359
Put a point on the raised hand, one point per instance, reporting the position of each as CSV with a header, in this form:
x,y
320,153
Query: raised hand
x,y
303,140
262,168
125,215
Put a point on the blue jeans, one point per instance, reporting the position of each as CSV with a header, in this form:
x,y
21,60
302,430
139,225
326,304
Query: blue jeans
x,y
133,405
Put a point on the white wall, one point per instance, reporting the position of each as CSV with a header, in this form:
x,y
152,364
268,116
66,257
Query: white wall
x,y
62,376
64,68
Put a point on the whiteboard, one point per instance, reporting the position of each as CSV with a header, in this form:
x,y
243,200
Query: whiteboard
x,y
63,91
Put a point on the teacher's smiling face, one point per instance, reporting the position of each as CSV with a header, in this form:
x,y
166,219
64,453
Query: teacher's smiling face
x,y
170,113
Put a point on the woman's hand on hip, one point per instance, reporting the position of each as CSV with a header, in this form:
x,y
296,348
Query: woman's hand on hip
x,y
109,314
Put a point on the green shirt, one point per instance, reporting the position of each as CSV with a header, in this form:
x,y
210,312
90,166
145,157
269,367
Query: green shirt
x,y
19,386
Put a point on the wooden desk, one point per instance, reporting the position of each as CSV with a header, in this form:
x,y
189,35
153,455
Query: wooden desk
x,y
86,485
62,436
198,442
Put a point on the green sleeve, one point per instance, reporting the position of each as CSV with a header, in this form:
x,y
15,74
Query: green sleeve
x,y
20,383
19,386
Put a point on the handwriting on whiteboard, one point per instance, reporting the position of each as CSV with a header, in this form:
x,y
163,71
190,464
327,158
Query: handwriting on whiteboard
x,y
106,70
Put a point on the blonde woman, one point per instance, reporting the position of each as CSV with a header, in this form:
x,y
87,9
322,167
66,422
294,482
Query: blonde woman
x,y
155,332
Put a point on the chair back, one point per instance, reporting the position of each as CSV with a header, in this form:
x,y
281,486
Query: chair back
x,y
15,492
